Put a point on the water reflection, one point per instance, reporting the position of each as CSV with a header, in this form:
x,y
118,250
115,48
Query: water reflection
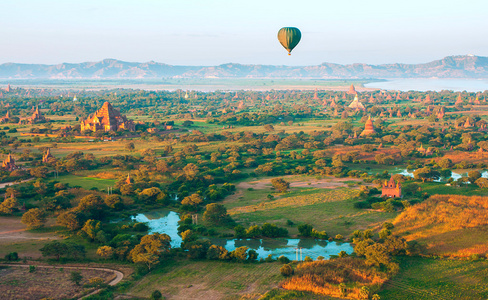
x,y
455,176
166,221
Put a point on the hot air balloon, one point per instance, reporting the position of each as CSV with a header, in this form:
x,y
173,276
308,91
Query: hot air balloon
x,y
289,37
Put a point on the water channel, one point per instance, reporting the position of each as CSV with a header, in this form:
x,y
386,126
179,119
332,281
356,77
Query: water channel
x,y
165,221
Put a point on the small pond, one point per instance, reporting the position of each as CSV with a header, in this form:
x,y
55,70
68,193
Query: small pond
x,y
165,221
455,176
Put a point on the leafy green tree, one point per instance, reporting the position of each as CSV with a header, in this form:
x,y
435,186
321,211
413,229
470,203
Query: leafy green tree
x,y
280,184
114,201
76,277
55,249
92,205
482,182
253,231
473,176
240,232
156,295
192,200
151,248
34,218
8,205
39,172
426,174
216,214
130,146
105,252
217,253
305,230
286,270
239,254
91,228
70,220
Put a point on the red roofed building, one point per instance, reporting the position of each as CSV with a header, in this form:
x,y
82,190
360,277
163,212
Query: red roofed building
x,y
108,119
391,189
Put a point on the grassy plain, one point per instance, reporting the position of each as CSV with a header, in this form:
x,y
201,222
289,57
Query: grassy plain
x,y
447,224
209,280
331,210
426,279
87,182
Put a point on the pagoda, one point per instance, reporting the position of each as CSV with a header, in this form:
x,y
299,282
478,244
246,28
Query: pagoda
x,y
129,180
352,90
108,119
36,117
467,124
459,100
368,128
9,163
355,104
6,118
391,189
47,156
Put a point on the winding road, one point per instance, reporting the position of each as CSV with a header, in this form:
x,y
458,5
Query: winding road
x,y
118,275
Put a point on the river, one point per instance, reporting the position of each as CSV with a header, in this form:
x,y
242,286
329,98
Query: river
x,y
431,84
165,221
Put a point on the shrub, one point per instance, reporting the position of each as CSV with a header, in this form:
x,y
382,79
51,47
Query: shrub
x,y
283,259
286,270
156,295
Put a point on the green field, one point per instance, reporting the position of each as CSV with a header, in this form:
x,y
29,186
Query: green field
x,y
423,278
87,182
209,280
331,210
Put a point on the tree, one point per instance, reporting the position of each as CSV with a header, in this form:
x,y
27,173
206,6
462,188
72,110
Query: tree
x,y
215,252
280,184
8,205
192,200
156,295
91,228
286,270
216,214
473,176
191,171
151,248
482,182
114,201
305,230
34,218
239,254
55,249
148,259
426,174
39,172
105,252
75,277
92,205
130,146
70,220
268,127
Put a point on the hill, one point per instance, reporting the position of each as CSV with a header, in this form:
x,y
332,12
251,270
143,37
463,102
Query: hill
x,y
448,224
466,66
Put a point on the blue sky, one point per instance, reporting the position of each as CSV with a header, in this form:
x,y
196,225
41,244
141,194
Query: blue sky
x,y
211,32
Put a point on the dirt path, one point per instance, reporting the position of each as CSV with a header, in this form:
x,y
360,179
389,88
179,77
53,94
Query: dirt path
x,y
2,185
118,275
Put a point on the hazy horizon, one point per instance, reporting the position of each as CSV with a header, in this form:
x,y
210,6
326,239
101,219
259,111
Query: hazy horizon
x,y
214,32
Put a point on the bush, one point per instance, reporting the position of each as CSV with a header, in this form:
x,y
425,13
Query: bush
x,y
12,256
286,270
283,259
156,295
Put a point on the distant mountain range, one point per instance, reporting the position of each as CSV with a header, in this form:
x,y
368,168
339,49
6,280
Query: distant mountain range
x,y
467,66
